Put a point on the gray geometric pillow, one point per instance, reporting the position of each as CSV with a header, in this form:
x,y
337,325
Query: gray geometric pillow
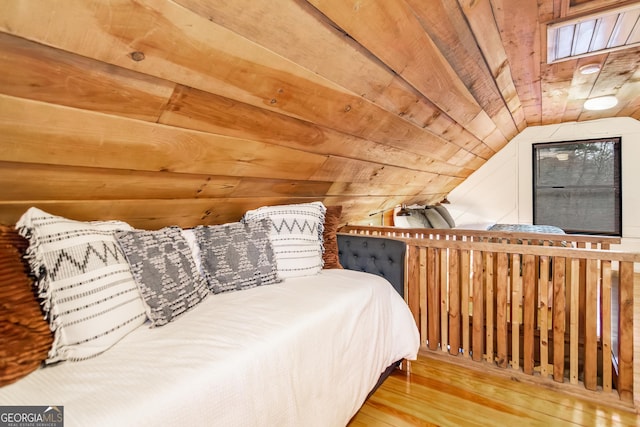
x,y
237,256
163,268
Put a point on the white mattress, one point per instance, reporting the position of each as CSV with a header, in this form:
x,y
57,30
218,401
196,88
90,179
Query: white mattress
x,y
305,352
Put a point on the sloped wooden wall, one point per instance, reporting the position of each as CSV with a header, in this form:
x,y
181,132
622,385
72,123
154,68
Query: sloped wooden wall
x,y
192,111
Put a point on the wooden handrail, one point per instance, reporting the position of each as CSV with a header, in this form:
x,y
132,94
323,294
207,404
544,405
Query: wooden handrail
x,y
549,251
595,242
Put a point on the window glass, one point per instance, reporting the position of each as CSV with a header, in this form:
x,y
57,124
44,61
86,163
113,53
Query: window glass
x,y
577,186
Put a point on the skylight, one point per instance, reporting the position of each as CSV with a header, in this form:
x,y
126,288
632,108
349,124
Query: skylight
x,y
594,34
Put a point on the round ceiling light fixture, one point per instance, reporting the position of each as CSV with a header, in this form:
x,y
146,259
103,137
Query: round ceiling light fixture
x,y
601,103
589,69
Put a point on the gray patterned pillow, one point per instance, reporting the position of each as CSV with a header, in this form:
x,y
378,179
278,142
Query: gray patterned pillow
x,y
164,271
237,256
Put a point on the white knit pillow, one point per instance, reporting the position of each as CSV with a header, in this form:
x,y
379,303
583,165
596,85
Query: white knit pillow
x,y
296,236
89,296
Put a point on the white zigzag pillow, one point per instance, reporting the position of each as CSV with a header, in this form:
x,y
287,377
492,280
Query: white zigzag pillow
x,y
89,295
296,236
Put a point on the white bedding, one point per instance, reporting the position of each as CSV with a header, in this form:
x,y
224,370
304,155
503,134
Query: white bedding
x,y
304,352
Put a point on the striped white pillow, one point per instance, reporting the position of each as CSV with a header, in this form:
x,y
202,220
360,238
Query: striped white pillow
x,y
89,296
296,236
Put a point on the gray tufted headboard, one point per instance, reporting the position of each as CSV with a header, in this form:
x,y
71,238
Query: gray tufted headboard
x,y
377,255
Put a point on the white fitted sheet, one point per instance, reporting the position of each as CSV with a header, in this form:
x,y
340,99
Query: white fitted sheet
x,y
304,352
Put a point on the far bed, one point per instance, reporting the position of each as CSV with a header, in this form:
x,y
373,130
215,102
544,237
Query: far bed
x,y
438,217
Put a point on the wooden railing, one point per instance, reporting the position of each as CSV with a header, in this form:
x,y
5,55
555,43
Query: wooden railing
x,y
572,240
539,304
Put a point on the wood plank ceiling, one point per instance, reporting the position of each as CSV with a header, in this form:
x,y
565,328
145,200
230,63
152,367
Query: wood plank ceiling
x,y
192,111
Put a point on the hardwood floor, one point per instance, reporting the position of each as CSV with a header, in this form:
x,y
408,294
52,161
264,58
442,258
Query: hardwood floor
x,y
440,393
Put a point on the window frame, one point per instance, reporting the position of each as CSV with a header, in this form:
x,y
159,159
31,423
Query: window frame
x,y
617,164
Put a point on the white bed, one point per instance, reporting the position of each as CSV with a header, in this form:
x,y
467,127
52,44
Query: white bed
x,y
305,352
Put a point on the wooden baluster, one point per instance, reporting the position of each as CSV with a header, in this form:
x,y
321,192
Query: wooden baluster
x,y
582,292
528,283
502,274
465,284
574,317
425,302
516,307
478,307
559,317
591,326
625,332
543,316
605,321
433,297
454,302
606,275
444,296
489,300
412,295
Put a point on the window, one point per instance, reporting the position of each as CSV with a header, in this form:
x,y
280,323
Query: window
x,y
576,186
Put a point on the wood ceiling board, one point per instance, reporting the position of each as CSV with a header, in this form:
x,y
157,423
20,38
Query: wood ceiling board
x,y
478,162
462,157
35,132
412,105
20,181
324,50
340,169
391,32
253,187
51,75
618,69
517,22
581,84
446,25
631,91
194,109
342,189
580,87
213,59
479,15
420,110
620,77
557,80
494,139
483,152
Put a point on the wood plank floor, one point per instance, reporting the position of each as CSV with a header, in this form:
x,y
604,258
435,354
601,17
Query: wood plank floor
x,y
440,393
